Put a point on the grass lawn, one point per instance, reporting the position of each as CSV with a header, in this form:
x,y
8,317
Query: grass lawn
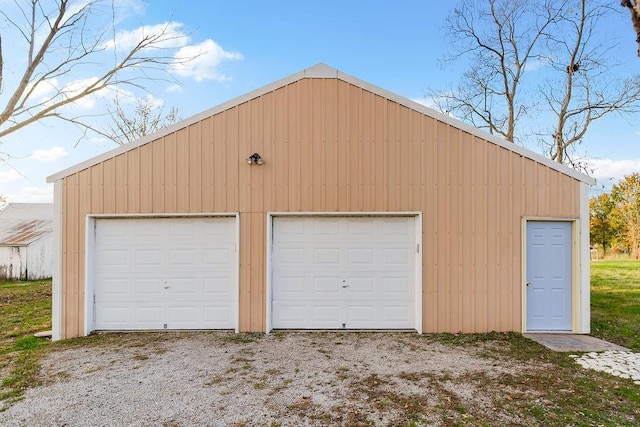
x,y
615,301
25,308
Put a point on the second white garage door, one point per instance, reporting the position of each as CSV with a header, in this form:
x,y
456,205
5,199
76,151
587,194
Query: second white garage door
x,y
344,273
165,273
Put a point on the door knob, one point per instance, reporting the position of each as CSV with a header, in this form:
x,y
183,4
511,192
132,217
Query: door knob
x,y
528,283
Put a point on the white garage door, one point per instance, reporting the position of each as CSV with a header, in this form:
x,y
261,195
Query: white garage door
x,y
343,272
165,273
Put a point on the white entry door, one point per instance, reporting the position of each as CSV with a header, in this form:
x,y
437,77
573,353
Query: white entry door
x,y
165,273
549,278
343,272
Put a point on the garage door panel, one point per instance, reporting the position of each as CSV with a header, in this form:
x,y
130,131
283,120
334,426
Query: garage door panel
x,y
360,256
357,265
326,256
324,287
147,287
164,271
396,256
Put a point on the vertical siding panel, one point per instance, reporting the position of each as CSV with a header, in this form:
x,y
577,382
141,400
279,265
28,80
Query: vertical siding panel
x,y
121,183
235,159
208,141
505,250
84,206
218,161
97,189
416,162
73,263
294,147
269,148
344,161
431,230
391,141
146,178
380,143
466,241
109,171
158,176
366,138
404,163
65,260
245,272
183,146
531,188
195,167
133,169
518,210
493,212
171,180
255,144
281,156
257,271
481,234
441,229
245,150
318,146
455,241
355,151
331,144
306,168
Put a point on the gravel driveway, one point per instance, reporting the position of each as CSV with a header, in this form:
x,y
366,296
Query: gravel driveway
x,y
293,378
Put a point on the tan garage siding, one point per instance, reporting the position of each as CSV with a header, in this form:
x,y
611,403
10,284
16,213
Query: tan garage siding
x,y
331,146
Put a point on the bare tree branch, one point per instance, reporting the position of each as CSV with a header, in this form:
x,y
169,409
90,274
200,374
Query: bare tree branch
x,y
501,37
512,46
127,126
62,42
586,92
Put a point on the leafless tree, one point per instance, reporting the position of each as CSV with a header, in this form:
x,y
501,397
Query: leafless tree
x,y
580,88
499,39
127,126
61,42
546,49
634,8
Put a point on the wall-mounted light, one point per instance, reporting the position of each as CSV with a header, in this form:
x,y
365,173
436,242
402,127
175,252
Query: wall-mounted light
x,y
255,159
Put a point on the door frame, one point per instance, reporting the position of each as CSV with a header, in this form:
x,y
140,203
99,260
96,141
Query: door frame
x,y
418,254
577,293
89,253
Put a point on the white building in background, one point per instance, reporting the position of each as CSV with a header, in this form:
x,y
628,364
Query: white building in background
x,y
26,241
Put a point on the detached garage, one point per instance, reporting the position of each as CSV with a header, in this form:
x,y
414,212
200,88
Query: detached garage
x,y
320,201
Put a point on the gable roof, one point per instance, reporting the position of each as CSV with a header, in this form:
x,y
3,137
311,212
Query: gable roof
x,y
24,223
322,71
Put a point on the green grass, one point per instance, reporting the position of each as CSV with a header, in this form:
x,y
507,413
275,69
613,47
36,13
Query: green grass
x,y
615,301
25,308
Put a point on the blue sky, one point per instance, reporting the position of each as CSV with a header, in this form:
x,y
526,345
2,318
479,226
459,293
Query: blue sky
x,y
394,45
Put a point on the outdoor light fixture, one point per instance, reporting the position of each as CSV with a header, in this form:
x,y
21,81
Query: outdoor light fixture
x,y
255,159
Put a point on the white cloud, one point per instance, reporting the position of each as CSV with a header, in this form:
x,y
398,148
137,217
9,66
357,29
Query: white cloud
x,y
201,61
50,155
45,89
170,36
174,88
427,102
32,195
76,87
10,175
608,170
536,64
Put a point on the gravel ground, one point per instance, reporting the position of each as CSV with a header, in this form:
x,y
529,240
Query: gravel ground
x,y
218,378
